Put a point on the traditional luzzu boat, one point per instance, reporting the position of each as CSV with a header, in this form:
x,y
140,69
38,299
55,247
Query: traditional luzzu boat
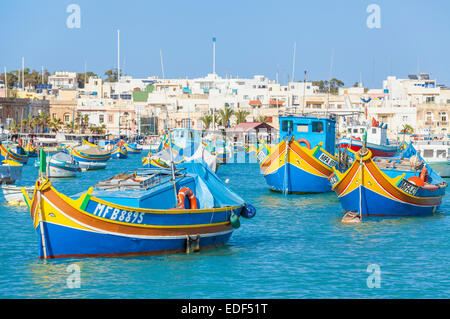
x,y
133,148
137,213
403,185
17,155
31,150
90,157
119,151
377,141
291,167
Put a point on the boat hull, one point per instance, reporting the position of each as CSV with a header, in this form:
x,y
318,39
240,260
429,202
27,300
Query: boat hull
x,y
60,170
381,195
300,171
90,227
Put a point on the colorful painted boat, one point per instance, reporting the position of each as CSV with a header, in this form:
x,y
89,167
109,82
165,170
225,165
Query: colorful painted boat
x,y
31,150
290,167
401,186
133,148
86,153
137,213
18,155
119,151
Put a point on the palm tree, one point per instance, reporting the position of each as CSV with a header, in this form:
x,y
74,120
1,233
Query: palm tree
x,y
225,115
207,120
261,118
241,116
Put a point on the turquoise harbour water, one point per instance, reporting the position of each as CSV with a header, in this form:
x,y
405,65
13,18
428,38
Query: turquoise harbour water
x,y
295,247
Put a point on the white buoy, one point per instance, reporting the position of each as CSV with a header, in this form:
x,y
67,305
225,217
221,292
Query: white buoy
x,y
227,180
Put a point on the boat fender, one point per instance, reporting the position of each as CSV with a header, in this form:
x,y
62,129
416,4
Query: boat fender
x,y
302,140
234,221
416,181
182,193
248,211
424,174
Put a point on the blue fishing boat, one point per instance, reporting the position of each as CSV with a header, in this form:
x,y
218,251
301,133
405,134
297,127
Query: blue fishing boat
x,y
133,148
143,212
119,151
403,185
303,159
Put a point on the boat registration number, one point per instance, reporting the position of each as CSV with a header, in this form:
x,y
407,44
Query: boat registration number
x,y
409,188
327,160
118,214
261,156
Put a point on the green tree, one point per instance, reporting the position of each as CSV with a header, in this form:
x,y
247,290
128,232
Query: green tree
x,y
261,118
81,77
207,120
241,116
111,75
225,115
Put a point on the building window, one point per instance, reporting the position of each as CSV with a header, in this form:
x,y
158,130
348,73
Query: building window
x,y
443,116
110,118
405,118
428,153
66,118
429,99
101,118
429,117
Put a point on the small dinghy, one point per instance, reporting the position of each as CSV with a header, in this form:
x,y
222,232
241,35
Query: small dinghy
x,y
13,194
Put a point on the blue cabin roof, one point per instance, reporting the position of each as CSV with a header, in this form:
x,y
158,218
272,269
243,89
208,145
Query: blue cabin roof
x,y
313,129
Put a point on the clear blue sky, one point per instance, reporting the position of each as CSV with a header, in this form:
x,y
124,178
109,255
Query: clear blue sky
x,y
253,37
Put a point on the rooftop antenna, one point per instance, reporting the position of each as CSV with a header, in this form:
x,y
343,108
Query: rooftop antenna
x,y
293,63
162,65
214,55
118,55
304,93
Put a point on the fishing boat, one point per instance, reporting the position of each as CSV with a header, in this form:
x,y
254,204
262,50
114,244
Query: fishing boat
x,y
62,165
404,185
90,154
435,150
13,194
377,141
293,166
133,148
119,151
144,212
15,153
31,150
10,171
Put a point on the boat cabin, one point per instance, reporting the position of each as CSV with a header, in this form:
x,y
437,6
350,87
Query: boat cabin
x,y
313,129
375,134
